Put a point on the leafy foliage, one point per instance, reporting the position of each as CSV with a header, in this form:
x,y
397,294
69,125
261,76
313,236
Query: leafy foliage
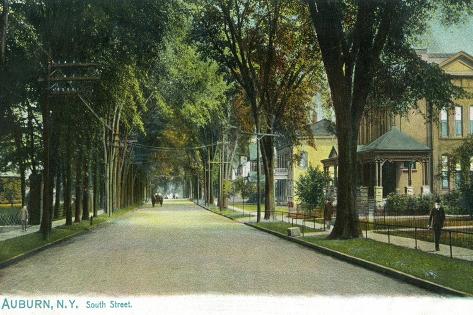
x,y
311,186
463,156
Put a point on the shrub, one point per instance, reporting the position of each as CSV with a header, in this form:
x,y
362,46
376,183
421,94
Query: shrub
x,y
452,203
408,205
310,187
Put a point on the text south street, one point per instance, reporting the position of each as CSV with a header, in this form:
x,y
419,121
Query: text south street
x,y
8,304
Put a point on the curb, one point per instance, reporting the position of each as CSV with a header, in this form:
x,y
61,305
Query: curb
x,y
30,253
220,214
36,250
424,284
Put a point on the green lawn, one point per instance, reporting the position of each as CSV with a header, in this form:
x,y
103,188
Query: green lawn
x,y
282,227
229,213
25,243
252,207
454,273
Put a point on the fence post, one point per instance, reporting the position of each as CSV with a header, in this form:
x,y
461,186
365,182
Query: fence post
x,y
323,220
366,223
450,237
415,236
389,236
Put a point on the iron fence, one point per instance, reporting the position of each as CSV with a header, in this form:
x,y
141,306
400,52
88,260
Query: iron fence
x,y
413,231
7,219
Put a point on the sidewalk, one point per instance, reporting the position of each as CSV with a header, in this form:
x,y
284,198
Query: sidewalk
x,y
15,230
457,252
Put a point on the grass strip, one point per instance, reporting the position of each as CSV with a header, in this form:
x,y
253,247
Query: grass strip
x,y
451,273
24,244
281,227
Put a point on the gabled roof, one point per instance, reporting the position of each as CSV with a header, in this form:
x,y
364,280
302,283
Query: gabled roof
x,y
460,54
459,64
394,140
323,127
333,153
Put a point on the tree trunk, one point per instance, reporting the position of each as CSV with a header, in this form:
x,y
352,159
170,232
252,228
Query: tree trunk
x,y
45,226
346,224
66,191
21,162
96,186
3,29
78,190
67,178
85,189
34,200
57,203
267,145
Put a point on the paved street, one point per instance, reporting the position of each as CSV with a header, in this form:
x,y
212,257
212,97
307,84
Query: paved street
x,y
182,249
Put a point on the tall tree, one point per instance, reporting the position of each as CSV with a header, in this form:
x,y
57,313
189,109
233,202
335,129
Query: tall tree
x,y
358,39
268,49
3,29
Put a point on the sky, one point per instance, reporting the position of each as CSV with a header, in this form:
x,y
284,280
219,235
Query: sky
x,y
449,39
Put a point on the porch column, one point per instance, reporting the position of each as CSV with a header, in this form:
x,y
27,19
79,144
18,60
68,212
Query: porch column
x,y
380,173
425,178
378,189
409,189
409,174
335,174
376,168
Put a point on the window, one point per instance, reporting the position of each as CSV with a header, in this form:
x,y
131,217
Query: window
x,y
304,160
405,165
444,174
458,121
444,124
282,160
253,166
471,119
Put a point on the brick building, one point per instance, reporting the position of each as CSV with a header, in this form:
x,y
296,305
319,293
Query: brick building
x,y
409,153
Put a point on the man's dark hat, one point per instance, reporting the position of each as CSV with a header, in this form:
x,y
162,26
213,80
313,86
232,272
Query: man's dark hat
x,y
437,200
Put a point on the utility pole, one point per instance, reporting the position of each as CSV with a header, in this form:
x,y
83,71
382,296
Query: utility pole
x,y
209,180
258,193
220,193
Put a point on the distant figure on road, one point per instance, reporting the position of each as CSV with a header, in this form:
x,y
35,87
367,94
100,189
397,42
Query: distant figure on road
x,y
153,199
24,216
436,221
160,200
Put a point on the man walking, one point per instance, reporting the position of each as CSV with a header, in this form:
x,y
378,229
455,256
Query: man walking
x,y
436,221
24,216
153,199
